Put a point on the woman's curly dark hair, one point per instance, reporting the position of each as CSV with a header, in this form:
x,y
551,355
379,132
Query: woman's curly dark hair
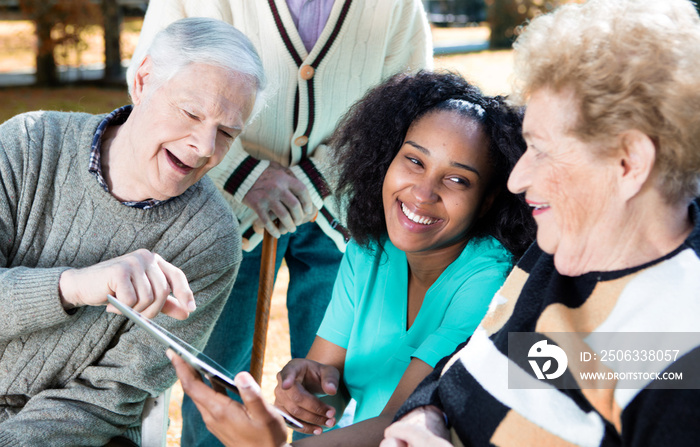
x,y
370,135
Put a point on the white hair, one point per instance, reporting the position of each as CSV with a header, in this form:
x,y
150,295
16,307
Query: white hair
x,y
200,40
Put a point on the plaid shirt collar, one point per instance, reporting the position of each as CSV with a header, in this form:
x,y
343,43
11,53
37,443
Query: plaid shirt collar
x,y
115,118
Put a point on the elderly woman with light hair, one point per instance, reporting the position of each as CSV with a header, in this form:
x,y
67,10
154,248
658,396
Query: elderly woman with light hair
x,y
611,171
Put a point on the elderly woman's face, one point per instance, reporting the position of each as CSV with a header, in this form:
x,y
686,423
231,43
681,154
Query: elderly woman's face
x,y
570,188
185,127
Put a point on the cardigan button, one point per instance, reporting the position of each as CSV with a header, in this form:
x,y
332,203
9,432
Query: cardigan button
x,y
306,72
301,141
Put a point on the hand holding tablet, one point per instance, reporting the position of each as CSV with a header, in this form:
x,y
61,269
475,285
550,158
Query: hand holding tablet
x,y
219,378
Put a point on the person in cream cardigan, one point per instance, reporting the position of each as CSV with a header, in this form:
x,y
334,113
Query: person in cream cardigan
x,y
321,56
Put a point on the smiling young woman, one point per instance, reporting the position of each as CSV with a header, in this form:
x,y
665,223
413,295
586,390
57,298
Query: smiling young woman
x,y
437,185
423,165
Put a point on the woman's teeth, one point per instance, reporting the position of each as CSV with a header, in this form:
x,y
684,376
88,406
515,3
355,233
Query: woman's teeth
x,y
416,218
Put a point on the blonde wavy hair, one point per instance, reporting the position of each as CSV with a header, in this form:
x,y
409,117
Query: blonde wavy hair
x,y
632,64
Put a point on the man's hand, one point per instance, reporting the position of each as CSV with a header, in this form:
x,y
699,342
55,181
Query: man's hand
x,y
141,280
281,201
255,424
297,384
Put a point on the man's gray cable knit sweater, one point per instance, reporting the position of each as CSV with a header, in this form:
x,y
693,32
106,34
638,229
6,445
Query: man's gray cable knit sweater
x,y
81,378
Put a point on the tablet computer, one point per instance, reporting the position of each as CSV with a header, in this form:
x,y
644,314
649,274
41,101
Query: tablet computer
x,y
214,372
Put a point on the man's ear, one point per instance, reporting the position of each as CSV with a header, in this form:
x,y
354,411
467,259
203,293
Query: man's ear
x,y
636,157
141,80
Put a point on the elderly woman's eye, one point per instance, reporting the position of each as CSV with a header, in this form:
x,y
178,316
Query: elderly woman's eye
x,y
226,134
190,115
536,152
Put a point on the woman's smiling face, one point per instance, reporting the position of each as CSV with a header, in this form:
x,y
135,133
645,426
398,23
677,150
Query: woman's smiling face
x,y
435,187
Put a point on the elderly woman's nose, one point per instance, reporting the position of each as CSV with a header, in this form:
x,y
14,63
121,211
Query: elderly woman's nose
x,y
519,179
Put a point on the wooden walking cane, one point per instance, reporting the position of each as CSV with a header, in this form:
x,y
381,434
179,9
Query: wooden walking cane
x,y
262,312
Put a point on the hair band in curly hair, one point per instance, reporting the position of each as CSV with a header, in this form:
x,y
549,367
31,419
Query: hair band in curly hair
x,y
464,105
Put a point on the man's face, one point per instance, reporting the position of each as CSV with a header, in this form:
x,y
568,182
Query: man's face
x,y
183,128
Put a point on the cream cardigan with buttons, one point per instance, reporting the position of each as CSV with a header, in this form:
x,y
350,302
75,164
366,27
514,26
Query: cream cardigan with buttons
x,y
363,43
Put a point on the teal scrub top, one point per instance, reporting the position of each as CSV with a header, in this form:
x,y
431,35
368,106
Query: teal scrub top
x,y
367,314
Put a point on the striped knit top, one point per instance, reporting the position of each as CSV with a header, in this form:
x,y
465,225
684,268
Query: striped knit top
x,y
645,389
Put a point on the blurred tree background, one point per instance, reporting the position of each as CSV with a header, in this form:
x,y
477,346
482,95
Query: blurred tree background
x,y
112,21
61,27
505,16
444,13
502,16
82,47
61,30
58,27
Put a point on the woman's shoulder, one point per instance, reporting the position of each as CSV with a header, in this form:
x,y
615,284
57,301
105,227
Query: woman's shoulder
x,y
374,258
373,250
486,249
481,258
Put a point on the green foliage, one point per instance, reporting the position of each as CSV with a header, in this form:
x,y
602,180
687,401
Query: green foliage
x,y
505,16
